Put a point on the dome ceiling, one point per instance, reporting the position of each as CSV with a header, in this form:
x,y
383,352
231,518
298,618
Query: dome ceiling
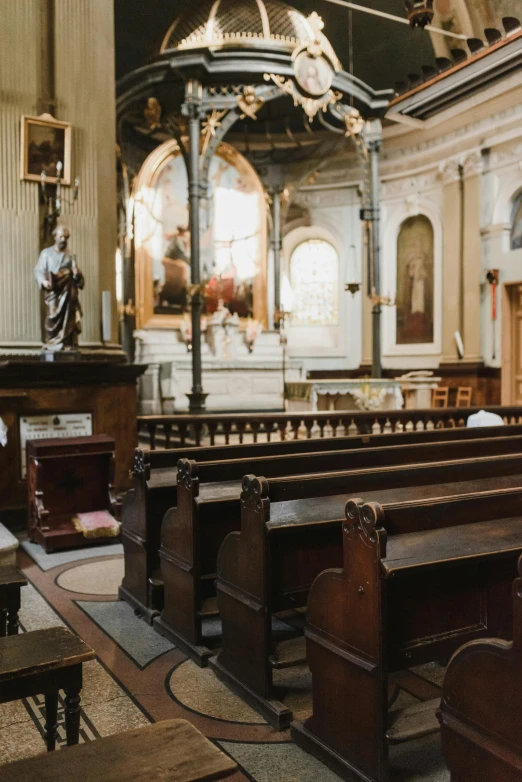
x,y
384,52
218,22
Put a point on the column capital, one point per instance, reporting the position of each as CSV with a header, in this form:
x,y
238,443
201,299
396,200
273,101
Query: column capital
x,y
449,170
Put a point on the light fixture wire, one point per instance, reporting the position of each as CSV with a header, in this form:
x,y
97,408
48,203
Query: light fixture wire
x,y
391,17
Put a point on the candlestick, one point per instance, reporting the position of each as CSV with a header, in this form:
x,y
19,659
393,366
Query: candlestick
x,y
106,316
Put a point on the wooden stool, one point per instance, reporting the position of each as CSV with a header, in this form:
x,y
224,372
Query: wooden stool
x,y
173,750
11,582
464,396
440,397
45,662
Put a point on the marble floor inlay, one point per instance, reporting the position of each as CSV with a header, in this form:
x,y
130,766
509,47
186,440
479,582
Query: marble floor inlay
x,y
139,676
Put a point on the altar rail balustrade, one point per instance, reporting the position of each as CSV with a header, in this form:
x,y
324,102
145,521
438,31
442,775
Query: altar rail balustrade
x,y
172,431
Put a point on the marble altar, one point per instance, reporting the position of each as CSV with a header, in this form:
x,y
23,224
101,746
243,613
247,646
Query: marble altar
x,y
412,391
364,394
237,375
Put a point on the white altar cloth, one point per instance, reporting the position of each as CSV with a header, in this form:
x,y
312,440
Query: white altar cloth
x,y
364,394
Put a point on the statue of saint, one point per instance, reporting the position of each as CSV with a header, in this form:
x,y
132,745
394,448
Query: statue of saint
x,y
57,274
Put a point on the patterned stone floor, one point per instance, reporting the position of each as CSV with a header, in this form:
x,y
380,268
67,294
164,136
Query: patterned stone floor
x,y
139,677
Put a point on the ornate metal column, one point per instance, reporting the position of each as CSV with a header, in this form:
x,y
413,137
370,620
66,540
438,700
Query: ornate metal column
x,y
277,244
192,110
374,145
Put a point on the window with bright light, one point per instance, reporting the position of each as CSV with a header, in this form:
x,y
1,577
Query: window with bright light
x,y
314,278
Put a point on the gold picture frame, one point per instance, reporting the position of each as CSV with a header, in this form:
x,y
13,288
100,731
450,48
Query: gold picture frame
x,y
45,141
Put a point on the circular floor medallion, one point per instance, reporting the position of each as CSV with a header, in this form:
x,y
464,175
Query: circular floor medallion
x,y
102,577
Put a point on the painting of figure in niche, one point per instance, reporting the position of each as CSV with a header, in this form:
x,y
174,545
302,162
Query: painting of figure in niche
x,y
415,282
232,221
516,224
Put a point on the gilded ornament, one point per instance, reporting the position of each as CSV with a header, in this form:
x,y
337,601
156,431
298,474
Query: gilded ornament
x,y
249,103
354,122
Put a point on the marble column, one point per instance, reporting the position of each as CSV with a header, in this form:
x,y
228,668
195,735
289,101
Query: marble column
x,y
472,169
452,245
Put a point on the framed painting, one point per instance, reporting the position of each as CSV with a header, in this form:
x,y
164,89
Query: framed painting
x,y
232,238
45,143
415,282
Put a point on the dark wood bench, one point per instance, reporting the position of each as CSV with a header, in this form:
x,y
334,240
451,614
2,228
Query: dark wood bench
x,y
43,662
270,565
481,706
173,751
154,492
415,584
193,532
11,582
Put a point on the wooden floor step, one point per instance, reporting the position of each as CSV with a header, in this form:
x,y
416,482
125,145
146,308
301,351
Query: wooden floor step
x,y
413,722
288,653
209,607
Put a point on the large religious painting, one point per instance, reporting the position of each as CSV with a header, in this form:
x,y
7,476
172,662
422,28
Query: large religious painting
x,y
232,237
516,223
415,267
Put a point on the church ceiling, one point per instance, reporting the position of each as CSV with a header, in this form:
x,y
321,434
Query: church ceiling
x,y
384,52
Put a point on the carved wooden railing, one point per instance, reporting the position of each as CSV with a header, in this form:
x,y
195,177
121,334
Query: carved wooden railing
x,y
171,431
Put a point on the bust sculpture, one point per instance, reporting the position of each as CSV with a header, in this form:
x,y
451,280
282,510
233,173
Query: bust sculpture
x,y
58,275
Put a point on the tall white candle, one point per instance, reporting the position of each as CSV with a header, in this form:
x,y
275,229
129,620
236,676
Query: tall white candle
x,y
106,316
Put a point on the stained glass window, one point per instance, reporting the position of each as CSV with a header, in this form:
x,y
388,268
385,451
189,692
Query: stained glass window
x,y
314,277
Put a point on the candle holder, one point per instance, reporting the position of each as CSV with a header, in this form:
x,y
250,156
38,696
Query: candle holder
x,y
54,200
280,317
352,287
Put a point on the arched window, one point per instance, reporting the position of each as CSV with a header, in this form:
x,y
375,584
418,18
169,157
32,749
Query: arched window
x,y
415,267
314,277
516,223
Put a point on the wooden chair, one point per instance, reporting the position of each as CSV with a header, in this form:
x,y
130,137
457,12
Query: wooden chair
x,y
440,397
11,582
45,662
173,750
464,396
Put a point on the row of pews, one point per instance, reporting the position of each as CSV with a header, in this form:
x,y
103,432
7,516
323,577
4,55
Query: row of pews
x,y
392,550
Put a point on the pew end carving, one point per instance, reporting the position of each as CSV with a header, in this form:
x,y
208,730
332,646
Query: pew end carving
x,y
243,600
481,711
345,606
141,586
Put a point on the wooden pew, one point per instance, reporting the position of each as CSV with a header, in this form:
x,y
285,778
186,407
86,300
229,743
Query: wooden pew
x,y
193,531
481,706
154,492
270,565
173,751
416,583
11,582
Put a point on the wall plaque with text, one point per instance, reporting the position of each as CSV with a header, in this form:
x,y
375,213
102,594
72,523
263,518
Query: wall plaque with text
x,y
41,427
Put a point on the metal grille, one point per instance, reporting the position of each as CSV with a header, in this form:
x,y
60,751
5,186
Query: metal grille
x,y
286,22
237,21
241,18
191,24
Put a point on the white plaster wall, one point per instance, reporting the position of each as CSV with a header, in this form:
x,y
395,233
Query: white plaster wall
x,y
501,183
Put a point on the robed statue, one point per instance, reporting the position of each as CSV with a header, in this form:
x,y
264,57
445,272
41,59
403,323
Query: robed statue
x,y
58,275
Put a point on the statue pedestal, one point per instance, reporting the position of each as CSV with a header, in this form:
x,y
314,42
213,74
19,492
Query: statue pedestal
x,y
39,399
60,356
